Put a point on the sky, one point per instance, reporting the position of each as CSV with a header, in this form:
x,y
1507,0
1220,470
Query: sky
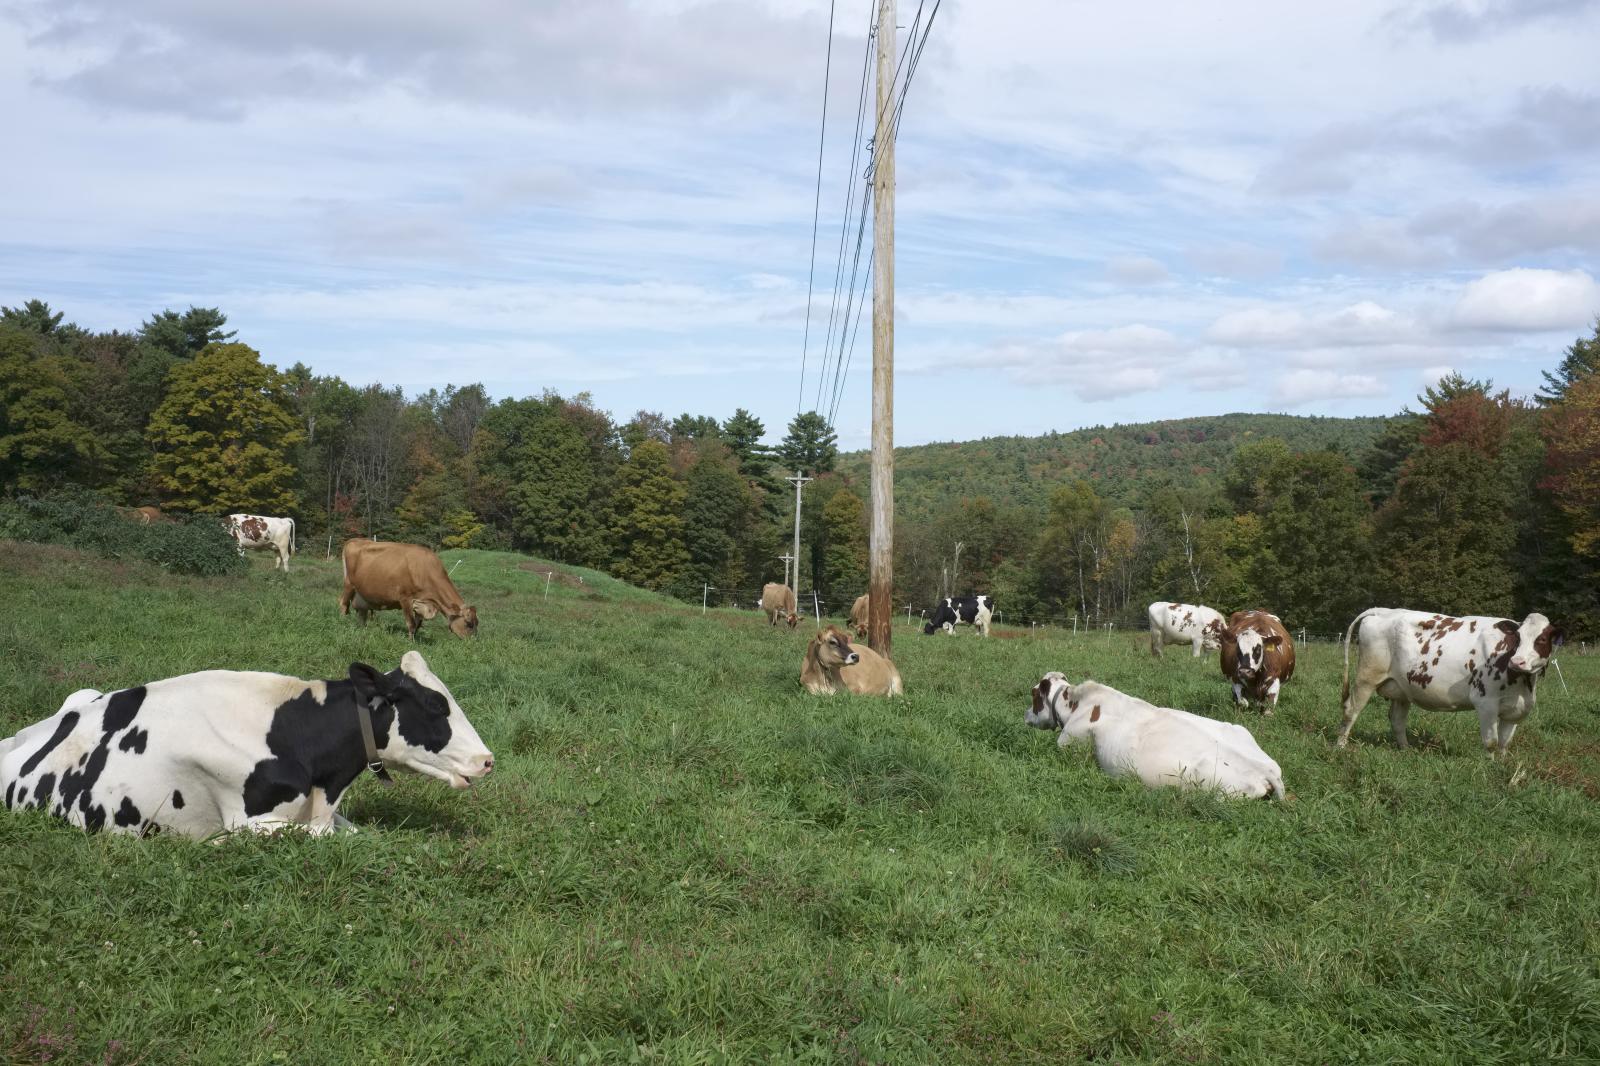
x,y
1104,212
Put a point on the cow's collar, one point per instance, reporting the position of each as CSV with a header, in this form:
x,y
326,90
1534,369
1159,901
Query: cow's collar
x,y
374,762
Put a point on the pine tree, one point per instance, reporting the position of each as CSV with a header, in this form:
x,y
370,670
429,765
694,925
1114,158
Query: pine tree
x,y
718,510
810,446
1581,361
844,565
222,438
647,526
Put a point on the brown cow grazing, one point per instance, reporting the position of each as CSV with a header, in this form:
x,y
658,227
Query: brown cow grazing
x,y
778,601
831,664
382,577
859,612
1257,656
147,515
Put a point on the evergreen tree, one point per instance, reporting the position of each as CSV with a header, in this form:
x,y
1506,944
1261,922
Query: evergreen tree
x,y
811,445
46,436
184,336
34,316
1315,542
1581,361
1445,536
689,428
647,526
844,566
718,510
223,436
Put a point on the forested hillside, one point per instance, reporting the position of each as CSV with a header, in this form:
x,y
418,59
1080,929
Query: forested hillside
x,y
1473,502
1120,462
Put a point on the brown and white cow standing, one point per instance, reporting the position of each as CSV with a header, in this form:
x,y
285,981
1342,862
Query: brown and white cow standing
x,y
1446,663
390,575
778,602
1184,623
1257,656
261,531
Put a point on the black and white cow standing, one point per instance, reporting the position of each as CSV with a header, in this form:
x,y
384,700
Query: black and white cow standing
x,y
961,610
226,749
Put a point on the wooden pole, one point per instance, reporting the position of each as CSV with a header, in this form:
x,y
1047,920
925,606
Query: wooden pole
x,y
799,483
881,549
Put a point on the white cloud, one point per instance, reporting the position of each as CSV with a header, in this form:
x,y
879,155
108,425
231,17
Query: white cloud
x,y
1300,387
1527,299
1137,270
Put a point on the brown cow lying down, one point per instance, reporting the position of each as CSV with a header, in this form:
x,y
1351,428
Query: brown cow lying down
x,y
860,611
1257,656
390,575
831,664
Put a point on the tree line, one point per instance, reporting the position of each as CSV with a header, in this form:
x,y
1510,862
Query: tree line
x,y
1473,502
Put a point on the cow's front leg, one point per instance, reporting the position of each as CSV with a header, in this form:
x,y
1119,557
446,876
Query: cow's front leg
x,y
1197,644
1490,726
341,824
1272,697
412,621
1238,695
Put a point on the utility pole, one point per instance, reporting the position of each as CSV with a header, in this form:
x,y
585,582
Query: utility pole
x,y
787,559
799,482
880,585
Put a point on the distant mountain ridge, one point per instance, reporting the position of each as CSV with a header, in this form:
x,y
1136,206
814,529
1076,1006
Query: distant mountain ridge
x,y
1119,460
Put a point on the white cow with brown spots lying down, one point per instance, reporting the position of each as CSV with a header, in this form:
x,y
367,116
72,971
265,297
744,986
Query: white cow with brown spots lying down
x,y
1445,663
1158,745
1185,623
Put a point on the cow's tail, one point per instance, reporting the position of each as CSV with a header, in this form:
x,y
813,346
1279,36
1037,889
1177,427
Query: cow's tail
x,y
1344,692
292,547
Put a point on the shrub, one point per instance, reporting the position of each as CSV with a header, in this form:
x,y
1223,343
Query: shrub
x,y
78,518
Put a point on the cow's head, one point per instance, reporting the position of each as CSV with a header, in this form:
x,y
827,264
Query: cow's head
x,y
860,630
463,623
1044,714
431,735
832,649
792,620
1531,643
1253,646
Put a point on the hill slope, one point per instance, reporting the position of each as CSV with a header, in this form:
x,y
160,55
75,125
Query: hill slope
x,y
1120,460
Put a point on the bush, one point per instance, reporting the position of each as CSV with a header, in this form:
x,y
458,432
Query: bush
x,y
80,519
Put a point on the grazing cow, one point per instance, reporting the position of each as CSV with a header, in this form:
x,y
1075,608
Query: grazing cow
x,y
146,515
778,601
226,749
1184,623
1490,665
860,612
259,531
382,577
1158,745
831,664
1257,656
974,611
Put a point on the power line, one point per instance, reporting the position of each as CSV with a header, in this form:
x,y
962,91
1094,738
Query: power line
x,y
816,209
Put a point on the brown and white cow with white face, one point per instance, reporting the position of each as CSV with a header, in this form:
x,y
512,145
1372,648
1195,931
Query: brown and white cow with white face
x,y
1445,663
1184,623
1257,657
259,531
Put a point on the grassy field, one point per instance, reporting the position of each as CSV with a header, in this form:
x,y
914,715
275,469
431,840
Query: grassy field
x,y
681,857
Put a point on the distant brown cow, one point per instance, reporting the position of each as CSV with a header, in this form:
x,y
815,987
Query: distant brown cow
x,y
778,601
148,515
831,664
859,613
383,577
1257,656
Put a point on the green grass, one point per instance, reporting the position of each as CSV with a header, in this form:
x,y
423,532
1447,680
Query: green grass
x,y
681,857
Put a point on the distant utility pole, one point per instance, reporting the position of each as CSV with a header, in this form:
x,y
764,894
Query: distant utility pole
x,y
799,482
880,585
787,559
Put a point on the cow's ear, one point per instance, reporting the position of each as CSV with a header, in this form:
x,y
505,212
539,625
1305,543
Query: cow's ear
x,y
424,608
1506,626
369,683
1557,636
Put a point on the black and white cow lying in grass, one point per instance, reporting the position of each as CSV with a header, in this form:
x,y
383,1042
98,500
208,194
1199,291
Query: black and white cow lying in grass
x,y
225,749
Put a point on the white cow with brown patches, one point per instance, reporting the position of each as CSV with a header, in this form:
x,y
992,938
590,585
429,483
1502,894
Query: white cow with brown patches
x,y
1447,663
263,532
1185,623
1160,746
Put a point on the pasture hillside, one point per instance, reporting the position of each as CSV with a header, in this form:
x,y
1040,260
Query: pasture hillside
x,y
681,857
